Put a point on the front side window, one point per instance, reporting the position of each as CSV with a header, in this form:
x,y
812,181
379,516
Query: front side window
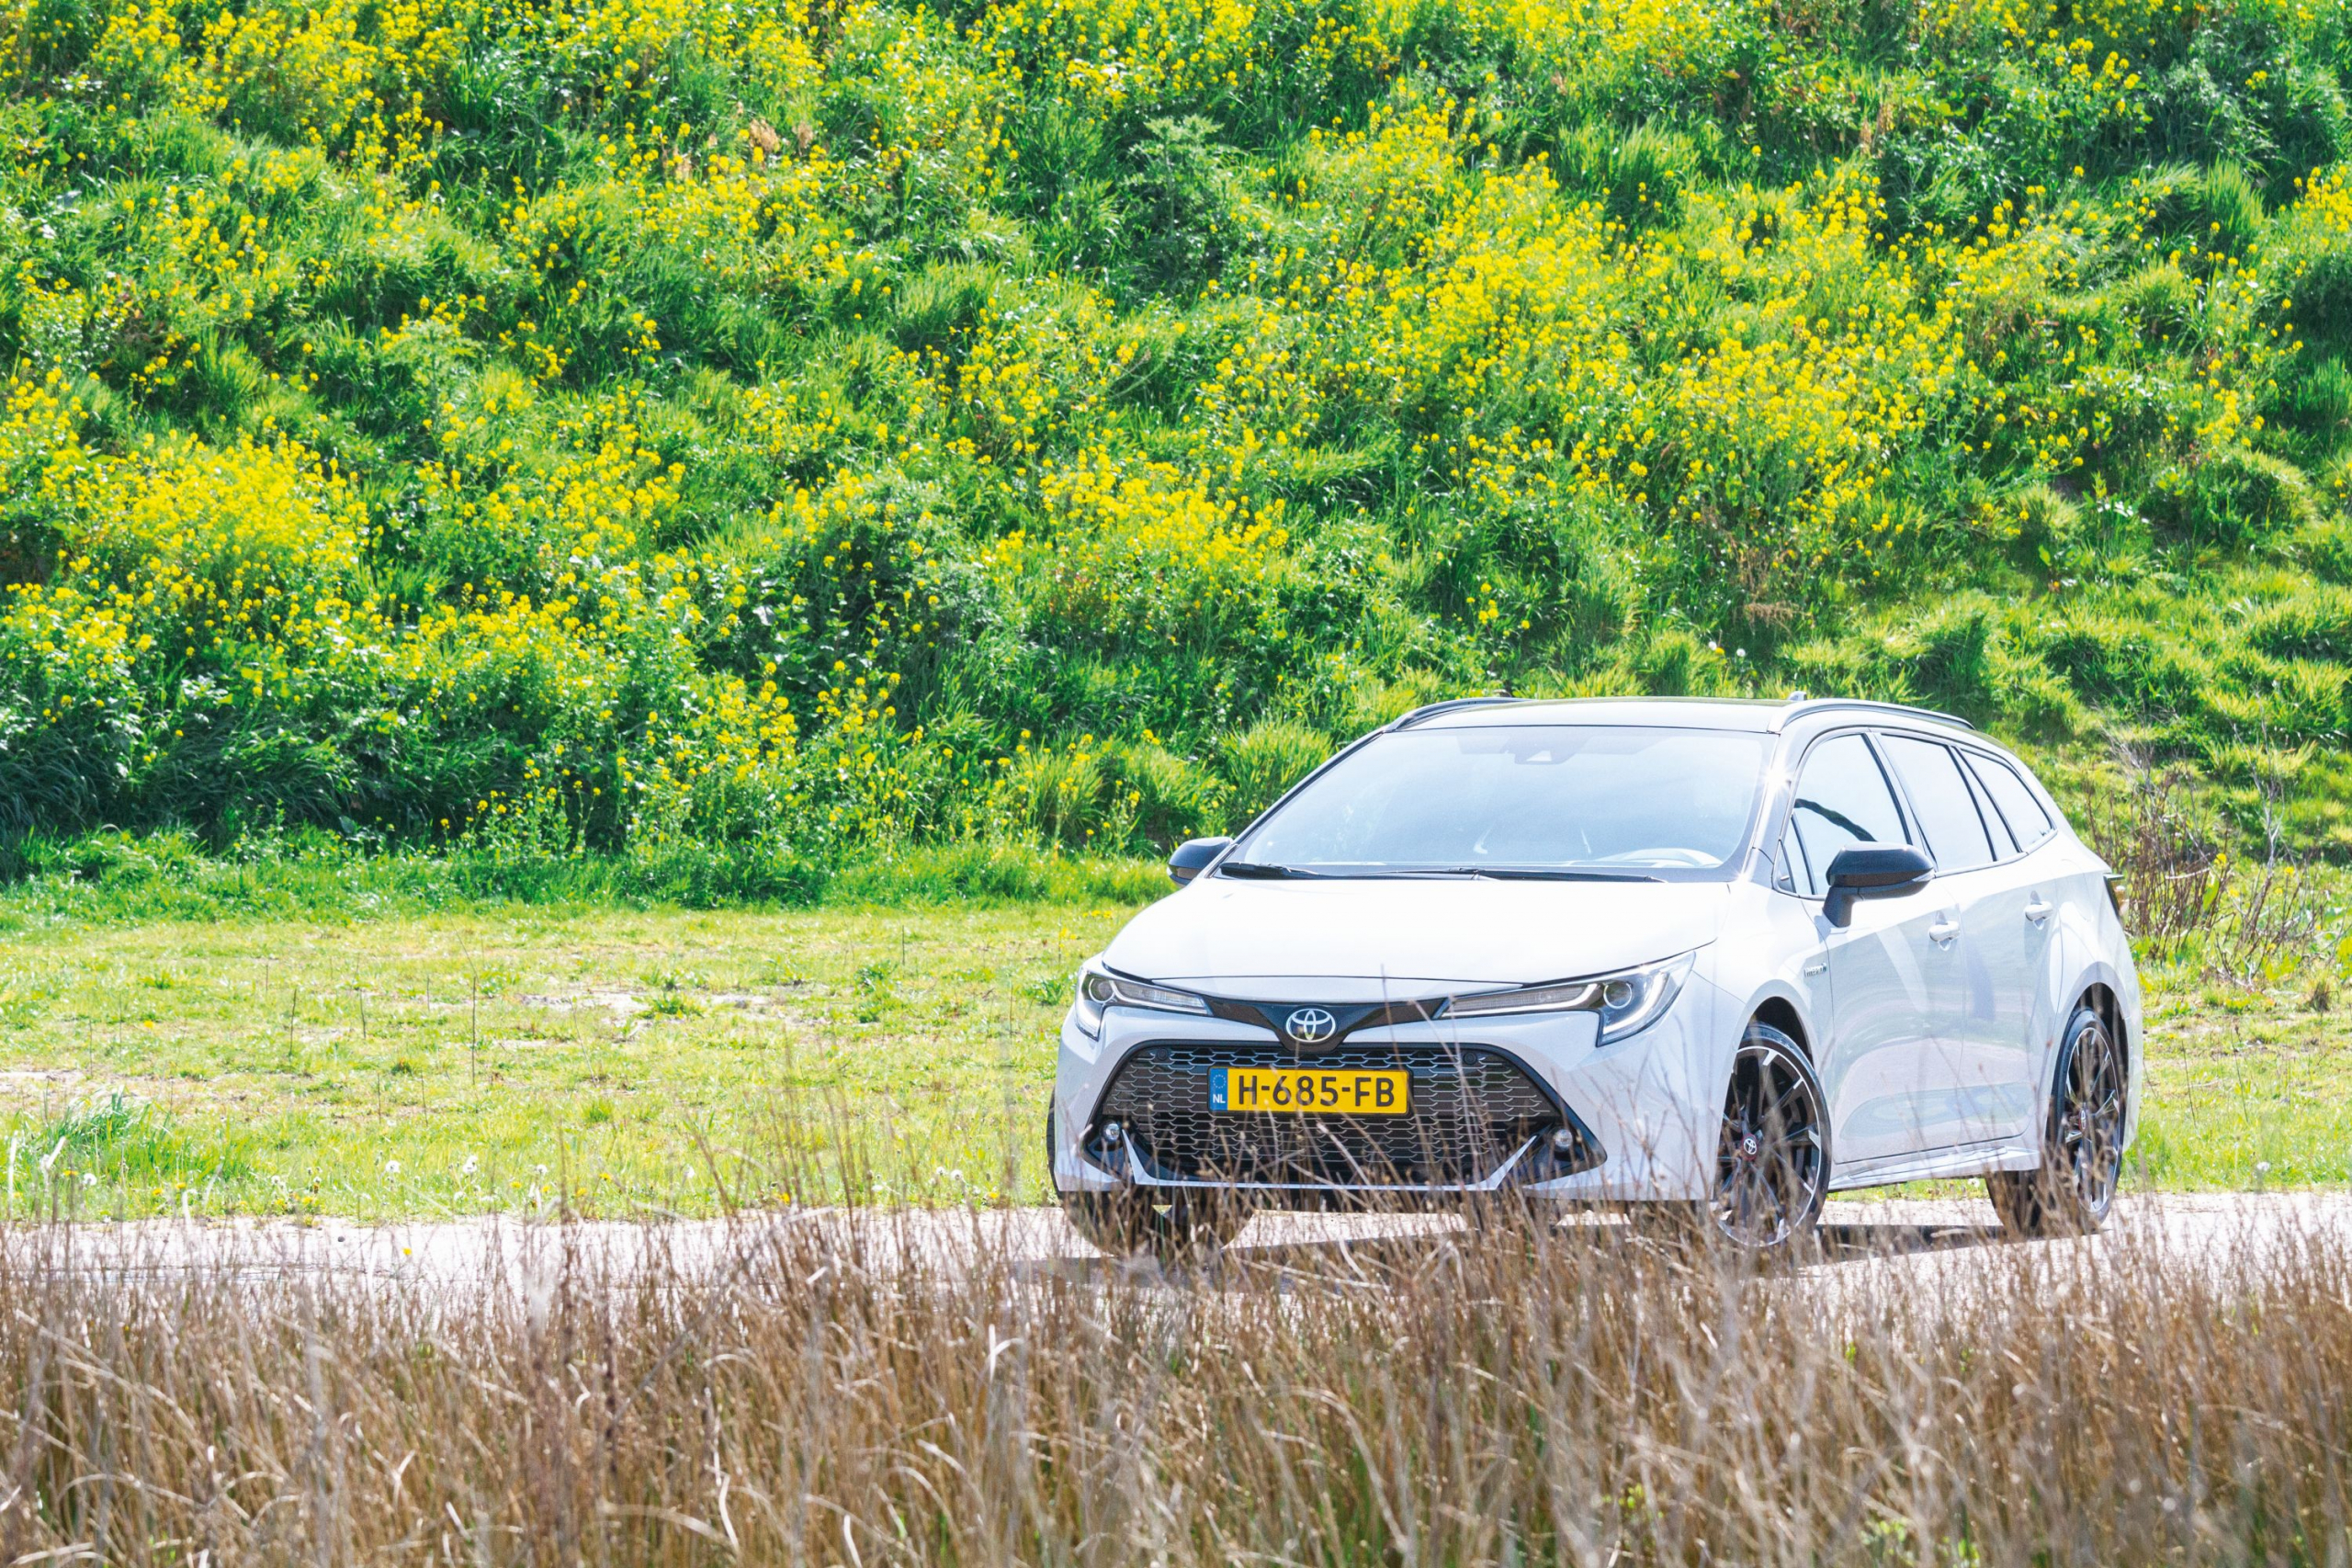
x,y
1940,794
1530,798
1842,800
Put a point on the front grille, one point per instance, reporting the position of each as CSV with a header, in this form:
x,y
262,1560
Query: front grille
x,y
1472,1107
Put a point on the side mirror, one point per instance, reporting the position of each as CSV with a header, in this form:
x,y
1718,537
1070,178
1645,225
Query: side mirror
x,y
1873,871
1193,857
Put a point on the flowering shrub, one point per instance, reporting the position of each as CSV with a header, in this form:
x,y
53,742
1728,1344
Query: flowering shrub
x,y
627,426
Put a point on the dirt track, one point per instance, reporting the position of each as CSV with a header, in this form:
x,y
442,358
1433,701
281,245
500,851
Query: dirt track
x,y
1941,1241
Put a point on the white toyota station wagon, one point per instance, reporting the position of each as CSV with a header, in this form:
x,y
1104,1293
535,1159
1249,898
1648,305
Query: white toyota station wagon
x,y
1723,956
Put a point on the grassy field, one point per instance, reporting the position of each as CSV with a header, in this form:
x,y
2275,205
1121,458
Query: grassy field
x,y
2246,1088
633,1061
486,1060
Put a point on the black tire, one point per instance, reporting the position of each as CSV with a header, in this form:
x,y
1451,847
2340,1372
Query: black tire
x,y
1508,1213
1124,1224
2073,1191
1183,1227
1771,1167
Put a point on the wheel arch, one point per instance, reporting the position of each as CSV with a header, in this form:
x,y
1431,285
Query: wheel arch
x,y
1779,1009
2100,997
2113,996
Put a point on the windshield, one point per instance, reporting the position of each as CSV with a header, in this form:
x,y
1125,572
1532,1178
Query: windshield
x,y
1560,799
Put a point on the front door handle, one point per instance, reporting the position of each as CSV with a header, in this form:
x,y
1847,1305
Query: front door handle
x,y
1942,931
2038,910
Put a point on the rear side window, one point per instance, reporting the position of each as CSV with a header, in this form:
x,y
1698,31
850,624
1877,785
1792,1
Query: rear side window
x,y
2004,845
1842,800
2018,806
1939,791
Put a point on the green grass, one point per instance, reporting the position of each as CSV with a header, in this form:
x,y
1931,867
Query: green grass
x,y
2248,1090
508,1057
501,1056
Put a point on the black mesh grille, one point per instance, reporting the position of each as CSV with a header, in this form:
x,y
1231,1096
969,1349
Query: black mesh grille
x,y
1471,1108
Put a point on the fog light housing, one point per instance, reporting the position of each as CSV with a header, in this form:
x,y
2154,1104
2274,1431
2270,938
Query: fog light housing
x,y
1566,1148
1111,1134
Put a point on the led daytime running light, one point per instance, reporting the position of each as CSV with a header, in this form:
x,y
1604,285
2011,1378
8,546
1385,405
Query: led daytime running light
x,y
1098,991
1627,1002
1577,996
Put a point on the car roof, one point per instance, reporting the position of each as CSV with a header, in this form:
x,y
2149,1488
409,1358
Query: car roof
x,y
1756,715
1679,713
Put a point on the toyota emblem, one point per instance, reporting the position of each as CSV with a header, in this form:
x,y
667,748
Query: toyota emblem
x,y
1311,1026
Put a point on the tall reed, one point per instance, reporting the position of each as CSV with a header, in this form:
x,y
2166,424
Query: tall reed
x,y
857,1390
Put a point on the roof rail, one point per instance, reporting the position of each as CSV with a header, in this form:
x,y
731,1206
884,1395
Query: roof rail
x,y
1814,704
1430,710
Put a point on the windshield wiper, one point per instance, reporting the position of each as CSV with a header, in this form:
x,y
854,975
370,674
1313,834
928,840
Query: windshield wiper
x,y
1542,873
1256,868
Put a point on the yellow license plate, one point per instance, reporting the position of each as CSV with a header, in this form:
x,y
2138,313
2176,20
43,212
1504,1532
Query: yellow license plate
x,y
1311,1092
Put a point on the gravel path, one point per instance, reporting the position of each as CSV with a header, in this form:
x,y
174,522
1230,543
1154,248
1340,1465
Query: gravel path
x,y
1932,1242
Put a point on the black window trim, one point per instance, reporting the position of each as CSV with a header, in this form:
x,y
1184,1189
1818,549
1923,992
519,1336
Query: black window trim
x,y
1887,765
2032,787
1990,810
1914,834
1911,830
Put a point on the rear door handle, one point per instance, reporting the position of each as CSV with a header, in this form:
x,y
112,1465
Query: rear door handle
x,y
1942,931
2038,911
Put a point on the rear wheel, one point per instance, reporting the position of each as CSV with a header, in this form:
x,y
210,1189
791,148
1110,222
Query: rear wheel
x,y
2071,1193
1772,1152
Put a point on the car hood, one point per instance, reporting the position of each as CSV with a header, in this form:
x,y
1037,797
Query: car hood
x,y
1282,939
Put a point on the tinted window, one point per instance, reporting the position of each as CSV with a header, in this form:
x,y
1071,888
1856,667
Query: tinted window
x,y
2017,805
2004,845
1842,800
1789,871
1529,796
1940,794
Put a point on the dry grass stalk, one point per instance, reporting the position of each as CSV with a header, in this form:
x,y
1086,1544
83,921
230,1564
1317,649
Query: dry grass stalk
x,y
1585,1398
2248,921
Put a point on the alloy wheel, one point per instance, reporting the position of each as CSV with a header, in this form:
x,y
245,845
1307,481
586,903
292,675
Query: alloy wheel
x,y
2091,1118
1770,1160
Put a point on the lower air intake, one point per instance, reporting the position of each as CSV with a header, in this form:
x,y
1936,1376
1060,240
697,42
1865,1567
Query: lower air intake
x,y
1473,1108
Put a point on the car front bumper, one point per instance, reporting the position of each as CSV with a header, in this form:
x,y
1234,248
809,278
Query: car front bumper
x,y
1631,1103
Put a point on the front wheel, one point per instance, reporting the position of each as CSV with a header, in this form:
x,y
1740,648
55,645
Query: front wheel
x,y
1184,1228
1772,1152
1189,1226
2071,1193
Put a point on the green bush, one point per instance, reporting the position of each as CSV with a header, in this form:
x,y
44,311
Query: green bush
x,y
1263,760
705,446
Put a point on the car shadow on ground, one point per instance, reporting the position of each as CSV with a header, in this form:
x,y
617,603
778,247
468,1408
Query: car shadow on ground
x,y
1855,1243
1367,1258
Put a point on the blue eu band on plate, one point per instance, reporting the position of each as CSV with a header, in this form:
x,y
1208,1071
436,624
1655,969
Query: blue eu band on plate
x,y
1308,1090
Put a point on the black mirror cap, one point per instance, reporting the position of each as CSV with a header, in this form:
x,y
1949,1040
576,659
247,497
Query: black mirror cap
x,y
1873,871
1872,868
1194,856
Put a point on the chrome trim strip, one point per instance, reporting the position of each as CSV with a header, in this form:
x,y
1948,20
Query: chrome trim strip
x,y
1134,1174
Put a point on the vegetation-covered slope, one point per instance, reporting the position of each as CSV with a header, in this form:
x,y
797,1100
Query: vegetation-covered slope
x,y
596,422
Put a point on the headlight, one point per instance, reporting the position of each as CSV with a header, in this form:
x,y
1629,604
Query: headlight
x,y
1098,989
1628,1002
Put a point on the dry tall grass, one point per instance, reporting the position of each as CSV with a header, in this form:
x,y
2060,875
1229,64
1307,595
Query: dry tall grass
x,y
1586,1397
